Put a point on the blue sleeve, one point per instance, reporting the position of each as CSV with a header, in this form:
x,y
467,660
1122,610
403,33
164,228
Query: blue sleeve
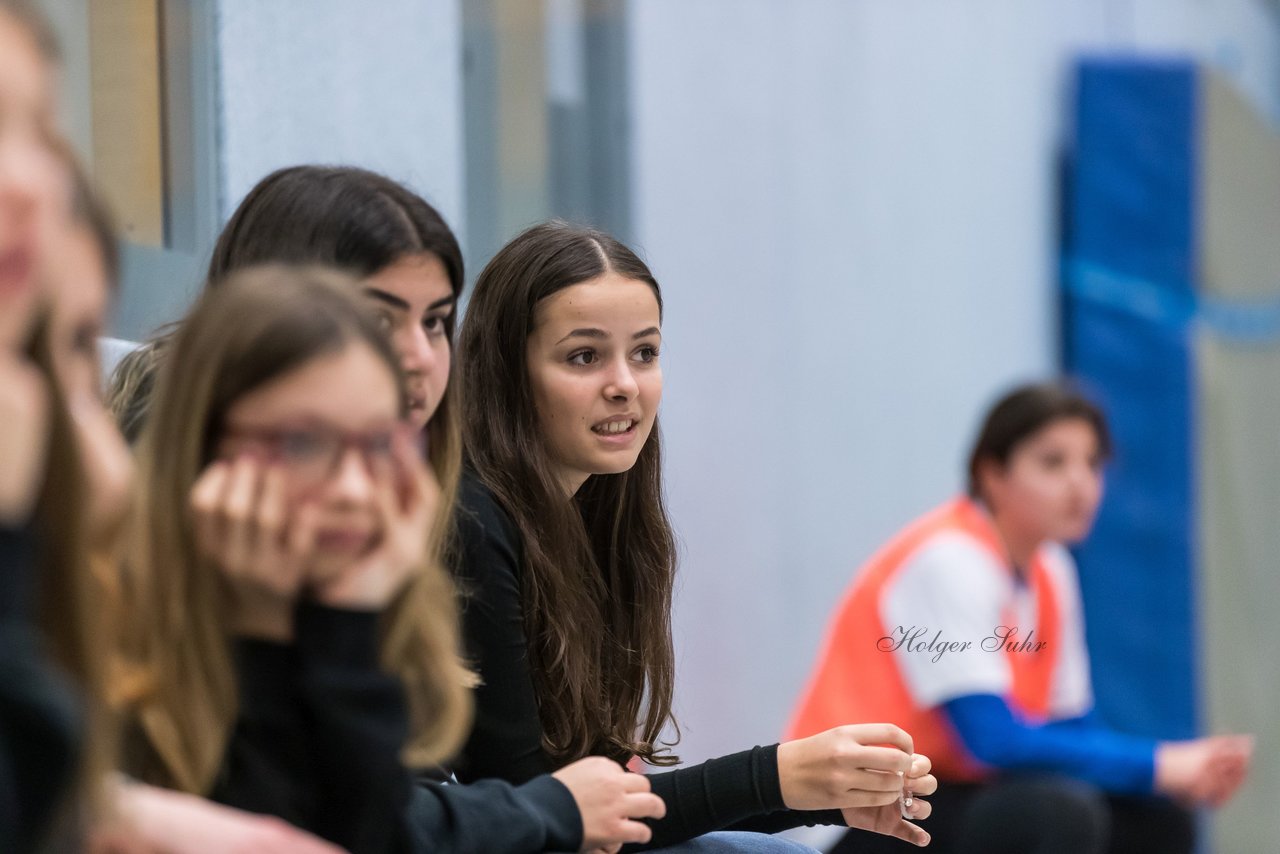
x,y
1081,747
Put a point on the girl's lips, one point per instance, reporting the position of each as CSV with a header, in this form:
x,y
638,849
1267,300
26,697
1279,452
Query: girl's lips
x,y
609,433
343,539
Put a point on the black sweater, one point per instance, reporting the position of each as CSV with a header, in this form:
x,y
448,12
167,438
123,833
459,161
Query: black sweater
x,y
39,715
317,743
741,791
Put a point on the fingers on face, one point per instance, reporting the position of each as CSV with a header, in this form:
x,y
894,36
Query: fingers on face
x,y
415,482
237,512
272,513
241,519
302,534
208,499
389,496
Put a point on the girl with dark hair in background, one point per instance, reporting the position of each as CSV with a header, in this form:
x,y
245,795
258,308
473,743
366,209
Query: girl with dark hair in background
x,y
566,560
967,629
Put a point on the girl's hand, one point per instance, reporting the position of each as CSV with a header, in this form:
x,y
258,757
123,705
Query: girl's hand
x,y
407,499
610,800
1205,771
845,767
888,820
24,413
241,524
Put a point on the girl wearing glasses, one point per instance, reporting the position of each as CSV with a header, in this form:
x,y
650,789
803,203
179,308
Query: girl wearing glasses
x,y
283,557
303,569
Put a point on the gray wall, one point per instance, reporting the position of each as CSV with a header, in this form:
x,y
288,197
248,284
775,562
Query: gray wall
x,y
852,209
326,81
304,81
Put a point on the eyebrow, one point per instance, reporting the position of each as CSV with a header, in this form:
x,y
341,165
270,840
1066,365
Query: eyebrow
x,y
396,302
390,299
600,334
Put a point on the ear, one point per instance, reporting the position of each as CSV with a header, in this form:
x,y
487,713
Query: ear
x,y
991,479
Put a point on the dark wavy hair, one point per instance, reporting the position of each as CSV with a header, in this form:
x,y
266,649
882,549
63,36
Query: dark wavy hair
x,y
598,570
1022,413
339,216
344,217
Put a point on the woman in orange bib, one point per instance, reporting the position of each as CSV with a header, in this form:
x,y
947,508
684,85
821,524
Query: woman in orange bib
x,y
966,629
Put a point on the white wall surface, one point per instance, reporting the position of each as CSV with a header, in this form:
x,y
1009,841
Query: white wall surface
x,y
377,85
852,208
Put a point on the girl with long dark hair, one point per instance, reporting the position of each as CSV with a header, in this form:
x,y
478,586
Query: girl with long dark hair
x,y
566,559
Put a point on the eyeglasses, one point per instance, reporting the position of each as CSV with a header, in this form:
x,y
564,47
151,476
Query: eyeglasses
x,y
311,455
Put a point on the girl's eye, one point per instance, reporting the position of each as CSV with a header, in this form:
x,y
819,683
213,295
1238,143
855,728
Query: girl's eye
x,y
380,446
583,357
301,445
386,321
433,325
1052,461
647,354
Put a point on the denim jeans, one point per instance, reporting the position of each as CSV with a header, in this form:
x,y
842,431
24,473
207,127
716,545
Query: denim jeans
x,y
732,842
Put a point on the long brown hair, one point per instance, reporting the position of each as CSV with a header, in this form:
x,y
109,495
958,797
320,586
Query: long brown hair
x,y
258,325
76,615
79,611
599,569
72,620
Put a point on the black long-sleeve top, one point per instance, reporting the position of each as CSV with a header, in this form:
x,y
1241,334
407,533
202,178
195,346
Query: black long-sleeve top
x,y
741,791
317,743
39,714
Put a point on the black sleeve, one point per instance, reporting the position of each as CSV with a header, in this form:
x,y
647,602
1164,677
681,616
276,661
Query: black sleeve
x,y
318,734
39,715
359,722
739,791
360,725
736,792
506,738
495,817
267,767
